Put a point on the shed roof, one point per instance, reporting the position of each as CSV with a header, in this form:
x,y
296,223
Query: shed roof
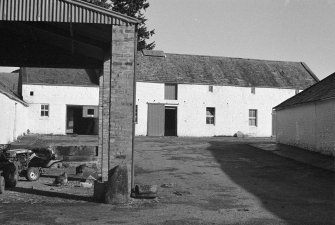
x,y
11,81
323,90
5,90
177,68
60,76
74,11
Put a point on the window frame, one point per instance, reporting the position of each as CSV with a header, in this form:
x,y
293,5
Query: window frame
x,y
45,110
210,118
253,119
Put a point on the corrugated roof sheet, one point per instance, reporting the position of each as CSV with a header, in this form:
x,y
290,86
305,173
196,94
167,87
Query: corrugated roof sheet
x,y
67,11
176,68
323,90
11,81
60,76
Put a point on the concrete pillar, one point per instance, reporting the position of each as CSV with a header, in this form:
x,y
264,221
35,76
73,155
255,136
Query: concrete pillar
x,y
115,115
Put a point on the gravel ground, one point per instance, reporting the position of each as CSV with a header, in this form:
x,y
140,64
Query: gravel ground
x,y
217,180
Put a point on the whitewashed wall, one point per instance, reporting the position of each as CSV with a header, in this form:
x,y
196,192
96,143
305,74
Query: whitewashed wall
x,y
57,97
310,126
231,104
13,120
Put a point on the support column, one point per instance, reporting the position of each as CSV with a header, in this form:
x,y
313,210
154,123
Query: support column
x,y
115,115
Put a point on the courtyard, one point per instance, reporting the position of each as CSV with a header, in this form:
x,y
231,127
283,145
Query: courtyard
x,y
219,180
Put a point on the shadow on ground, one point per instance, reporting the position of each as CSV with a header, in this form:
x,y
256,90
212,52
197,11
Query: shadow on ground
x,y
295,192
53,194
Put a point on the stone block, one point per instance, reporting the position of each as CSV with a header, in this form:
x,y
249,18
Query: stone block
x,y
116,188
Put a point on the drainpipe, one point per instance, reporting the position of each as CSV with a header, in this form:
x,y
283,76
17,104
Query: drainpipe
x,y
134,109
14,128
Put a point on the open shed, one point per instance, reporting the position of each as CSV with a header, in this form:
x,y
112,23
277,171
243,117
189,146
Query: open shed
x,y
76,34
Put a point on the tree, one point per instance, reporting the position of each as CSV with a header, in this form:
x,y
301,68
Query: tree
x,y
133,8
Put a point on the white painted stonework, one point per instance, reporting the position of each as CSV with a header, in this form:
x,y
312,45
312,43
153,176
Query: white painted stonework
x,y
13,119
231,104
310,126
58,97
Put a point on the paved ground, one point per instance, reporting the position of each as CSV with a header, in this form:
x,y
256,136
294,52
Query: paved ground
x,y
201,181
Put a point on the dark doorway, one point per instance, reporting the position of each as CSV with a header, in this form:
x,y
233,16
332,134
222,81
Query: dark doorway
x,y
77,124
170,121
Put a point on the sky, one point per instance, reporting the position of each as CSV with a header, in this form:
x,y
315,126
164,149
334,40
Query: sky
x,y
285,30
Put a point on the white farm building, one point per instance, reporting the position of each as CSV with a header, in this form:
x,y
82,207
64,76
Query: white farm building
x,y
176,95
307,120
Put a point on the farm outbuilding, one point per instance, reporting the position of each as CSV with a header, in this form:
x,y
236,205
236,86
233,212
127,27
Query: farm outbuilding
x,y
307,120
13,109
195,95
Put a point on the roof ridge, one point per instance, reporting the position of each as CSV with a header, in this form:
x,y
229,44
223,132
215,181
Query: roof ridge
x,y
228,57
282,105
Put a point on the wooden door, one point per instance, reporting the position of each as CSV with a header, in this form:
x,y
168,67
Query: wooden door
x,y
156,119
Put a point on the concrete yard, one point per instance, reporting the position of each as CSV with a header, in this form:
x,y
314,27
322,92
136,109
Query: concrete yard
x,y
219,180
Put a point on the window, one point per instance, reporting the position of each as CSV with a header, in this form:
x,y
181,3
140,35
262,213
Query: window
x,y
253,90
90,112
296,91
210,88
45,110
210,115
171,91
253,117
31,93
136,110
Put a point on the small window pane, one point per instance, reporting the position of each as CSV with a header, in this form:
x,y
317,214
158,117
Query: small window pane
x,y
44,110
252,117
210,115
90,111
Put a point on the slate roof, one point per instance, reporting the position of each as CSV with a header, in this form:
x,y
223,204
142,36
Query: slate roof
x,y
177,68
323,90
11,81
6,90
60,76
160,67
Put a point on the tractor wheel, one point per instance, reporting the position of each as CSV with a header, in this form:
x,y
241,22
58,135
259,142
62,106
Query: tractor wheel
x,y
11,175
2,185
33,173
